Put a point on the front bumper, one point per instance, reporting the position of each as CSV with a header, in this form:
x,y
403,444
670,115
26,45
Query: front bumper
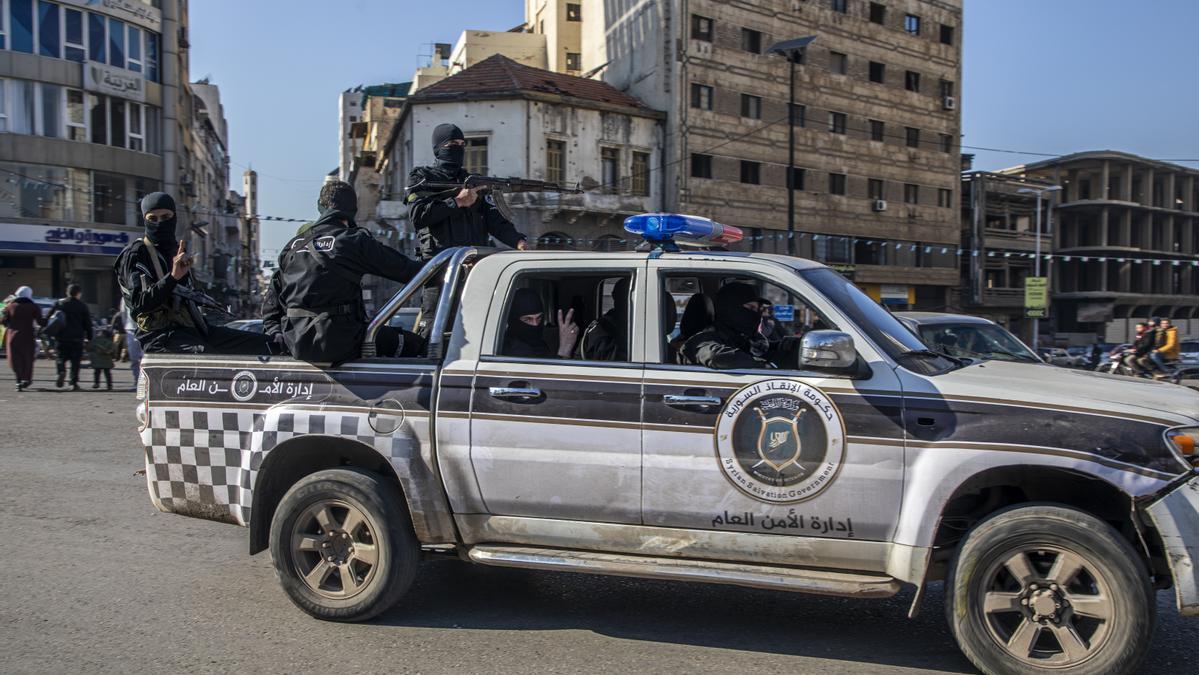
x,y
1176,517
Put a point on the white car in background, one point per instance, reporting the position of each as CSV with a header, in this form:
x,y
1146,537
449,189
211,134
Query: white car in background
x,y
967,336
1058,356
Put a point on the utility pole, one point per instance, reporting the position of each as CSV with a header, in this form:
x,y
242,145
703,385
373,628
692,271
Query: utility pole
x,y
793,51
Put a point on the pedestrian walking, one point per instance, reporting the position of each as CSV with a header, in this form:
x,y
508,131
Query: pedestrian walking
x,y
76,330
20,316
101,353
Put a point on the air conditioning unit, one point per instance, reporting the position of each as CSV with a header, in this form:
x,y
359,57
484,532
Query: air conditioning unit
x,y
879,205
948,103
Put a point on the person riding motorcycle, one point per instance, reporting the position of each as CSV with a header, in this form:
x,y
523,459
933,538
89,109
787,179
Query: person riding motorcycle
x,y
1166,348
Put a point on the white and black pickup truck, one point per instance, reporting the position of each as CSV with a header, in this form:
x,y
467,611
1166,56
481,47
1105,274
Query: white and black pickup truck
x,y
1054,504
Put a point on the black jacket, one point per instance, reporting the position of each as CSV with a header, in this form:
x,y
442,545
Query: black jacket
x,y
315,297
151,300
1145,344
605,339
78,326
720,349
440,223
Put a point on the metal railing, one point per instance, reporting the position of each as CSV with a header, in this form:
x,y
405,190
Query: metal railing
x,y
454,257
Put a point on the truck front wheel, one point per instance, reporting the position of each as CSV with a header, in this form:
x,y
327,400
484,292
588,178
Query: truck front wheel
x,y
342,544
1038,588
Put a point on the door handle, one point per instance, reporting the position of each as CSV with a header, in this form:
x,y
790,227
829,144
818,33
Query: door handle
x,y
515,393
683,400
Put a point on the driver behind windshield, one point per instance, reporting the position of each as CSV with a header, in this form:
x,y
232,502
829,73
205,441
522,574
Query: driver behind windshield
x,y
733,341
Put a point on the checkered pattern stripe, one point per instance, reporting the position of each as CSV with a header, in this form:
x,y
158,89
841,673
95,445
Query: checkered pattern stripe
x,y
204,463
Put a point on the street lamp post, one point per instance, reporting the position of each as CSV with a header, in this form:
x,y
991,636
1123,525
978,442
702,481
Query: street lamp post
x,y
793,51
1036,268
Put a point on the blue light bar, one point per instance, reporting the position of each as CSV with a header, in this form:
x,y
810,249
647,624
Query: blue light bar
x,y
664,227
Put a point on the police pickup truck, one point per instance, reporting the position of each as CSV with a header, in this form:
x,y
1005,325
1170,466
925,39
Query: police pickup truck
x,y
1053,503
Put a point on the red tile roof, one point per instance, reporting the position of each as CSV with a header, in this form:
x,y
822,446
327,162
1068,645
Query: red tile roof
x,y
498,74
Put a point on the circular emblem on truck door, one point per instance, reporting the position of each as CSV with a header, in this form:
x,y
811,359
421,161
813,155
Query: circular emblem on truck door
x,y
780,441
244,386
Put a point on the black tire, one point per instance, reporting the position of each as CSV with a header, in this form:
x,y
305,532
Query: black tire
x,y
1048,541
374,560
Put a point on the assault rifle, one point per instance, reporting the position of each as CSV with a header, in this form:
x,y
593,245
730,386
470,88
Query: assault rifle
x,y
496,186
200,298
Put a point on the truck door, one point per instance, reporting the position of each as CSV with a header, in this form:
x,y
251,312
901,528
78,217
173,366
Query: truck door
x,y
554,437
792,453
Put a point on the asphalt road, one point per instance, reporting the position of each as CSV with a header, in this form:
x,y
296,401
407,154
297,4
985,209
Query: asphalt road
x,y
94,579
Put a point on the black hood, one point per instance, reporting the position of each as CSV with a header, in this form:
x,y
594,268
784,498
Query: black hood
x,y
162,234
525,301
448,157
730,312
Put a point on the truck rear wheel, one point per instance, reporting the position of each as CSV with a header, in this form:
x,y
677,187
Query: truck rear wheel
x,y
1039,588
342,544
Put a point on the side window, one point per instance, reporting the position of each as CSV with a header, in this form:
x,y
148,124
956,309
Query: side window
x,y
575,315
696,312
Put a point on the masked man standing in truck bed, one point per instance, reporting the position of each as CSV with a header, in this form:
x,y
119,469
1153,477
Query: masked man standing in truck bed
x,y
445,219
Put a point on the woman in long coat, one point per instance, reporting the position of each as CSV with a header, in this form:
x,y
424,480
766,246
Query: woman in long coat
x,y
19,318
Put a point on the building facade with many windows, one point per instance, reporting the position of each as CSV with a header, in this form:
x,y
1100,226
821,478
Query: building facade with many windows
x,y
876,124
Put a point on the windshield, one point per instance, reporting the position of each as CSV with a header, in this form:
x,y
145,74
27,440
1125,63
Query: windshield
x,y
976,341
878,324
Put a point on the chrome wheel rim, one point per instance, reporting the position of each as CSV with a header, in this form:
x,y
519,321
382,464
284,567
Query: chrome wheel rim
x,y
1046,606
334,549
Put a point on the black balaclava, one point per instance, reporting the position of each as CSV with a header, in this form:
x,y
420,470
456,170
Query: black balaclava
x,y
620,301
730,312
449,157
162,233
525,301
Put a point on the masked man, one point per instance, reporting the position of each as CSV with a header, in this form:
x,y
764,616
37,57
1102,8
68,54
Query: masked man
x,y
445,219
733,338
315,297
149,270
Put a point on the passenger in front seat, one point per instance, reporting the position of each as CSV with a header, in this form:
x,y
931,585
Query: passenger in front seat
x,y
729,342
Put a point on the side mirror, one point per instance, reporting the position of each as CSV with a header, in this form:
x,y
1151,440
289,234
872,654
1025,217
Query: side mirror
x,y
827,349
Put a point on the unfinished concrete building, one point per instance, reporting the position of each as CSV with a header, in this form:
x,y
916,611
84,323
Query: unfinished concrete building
x,y
1127,235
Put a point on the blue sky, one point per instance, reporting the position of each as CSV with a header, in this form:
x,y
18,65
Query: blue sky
x,y
1047,76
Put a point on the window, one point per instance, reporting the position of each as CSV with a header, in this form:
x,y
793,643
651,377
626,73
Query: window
x,y
99,115
22,93
135,50
836,122
911,24
944,197
911,193
751,106
878,13
878,130
751,41
798,178
153,131
97,38
701,96
876,189
838,63
701,28
573,61
878,72
137,134
912,136
20,25
476,156
946,87
51,110
49,36
841,6
74,35
76,116
701,165
610,170
946,143
116,122
152,56
574,11
799,114
588,293
911,81
641,174
116,43
108,198
751,172
555,161
836,183
946,34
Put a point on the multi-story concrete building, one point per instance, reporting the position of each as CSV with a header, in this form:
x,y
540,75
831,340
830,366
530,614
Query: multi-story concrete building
x,y
349,114
533,123
875,118
90,104
1127,242
561,25
999,241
